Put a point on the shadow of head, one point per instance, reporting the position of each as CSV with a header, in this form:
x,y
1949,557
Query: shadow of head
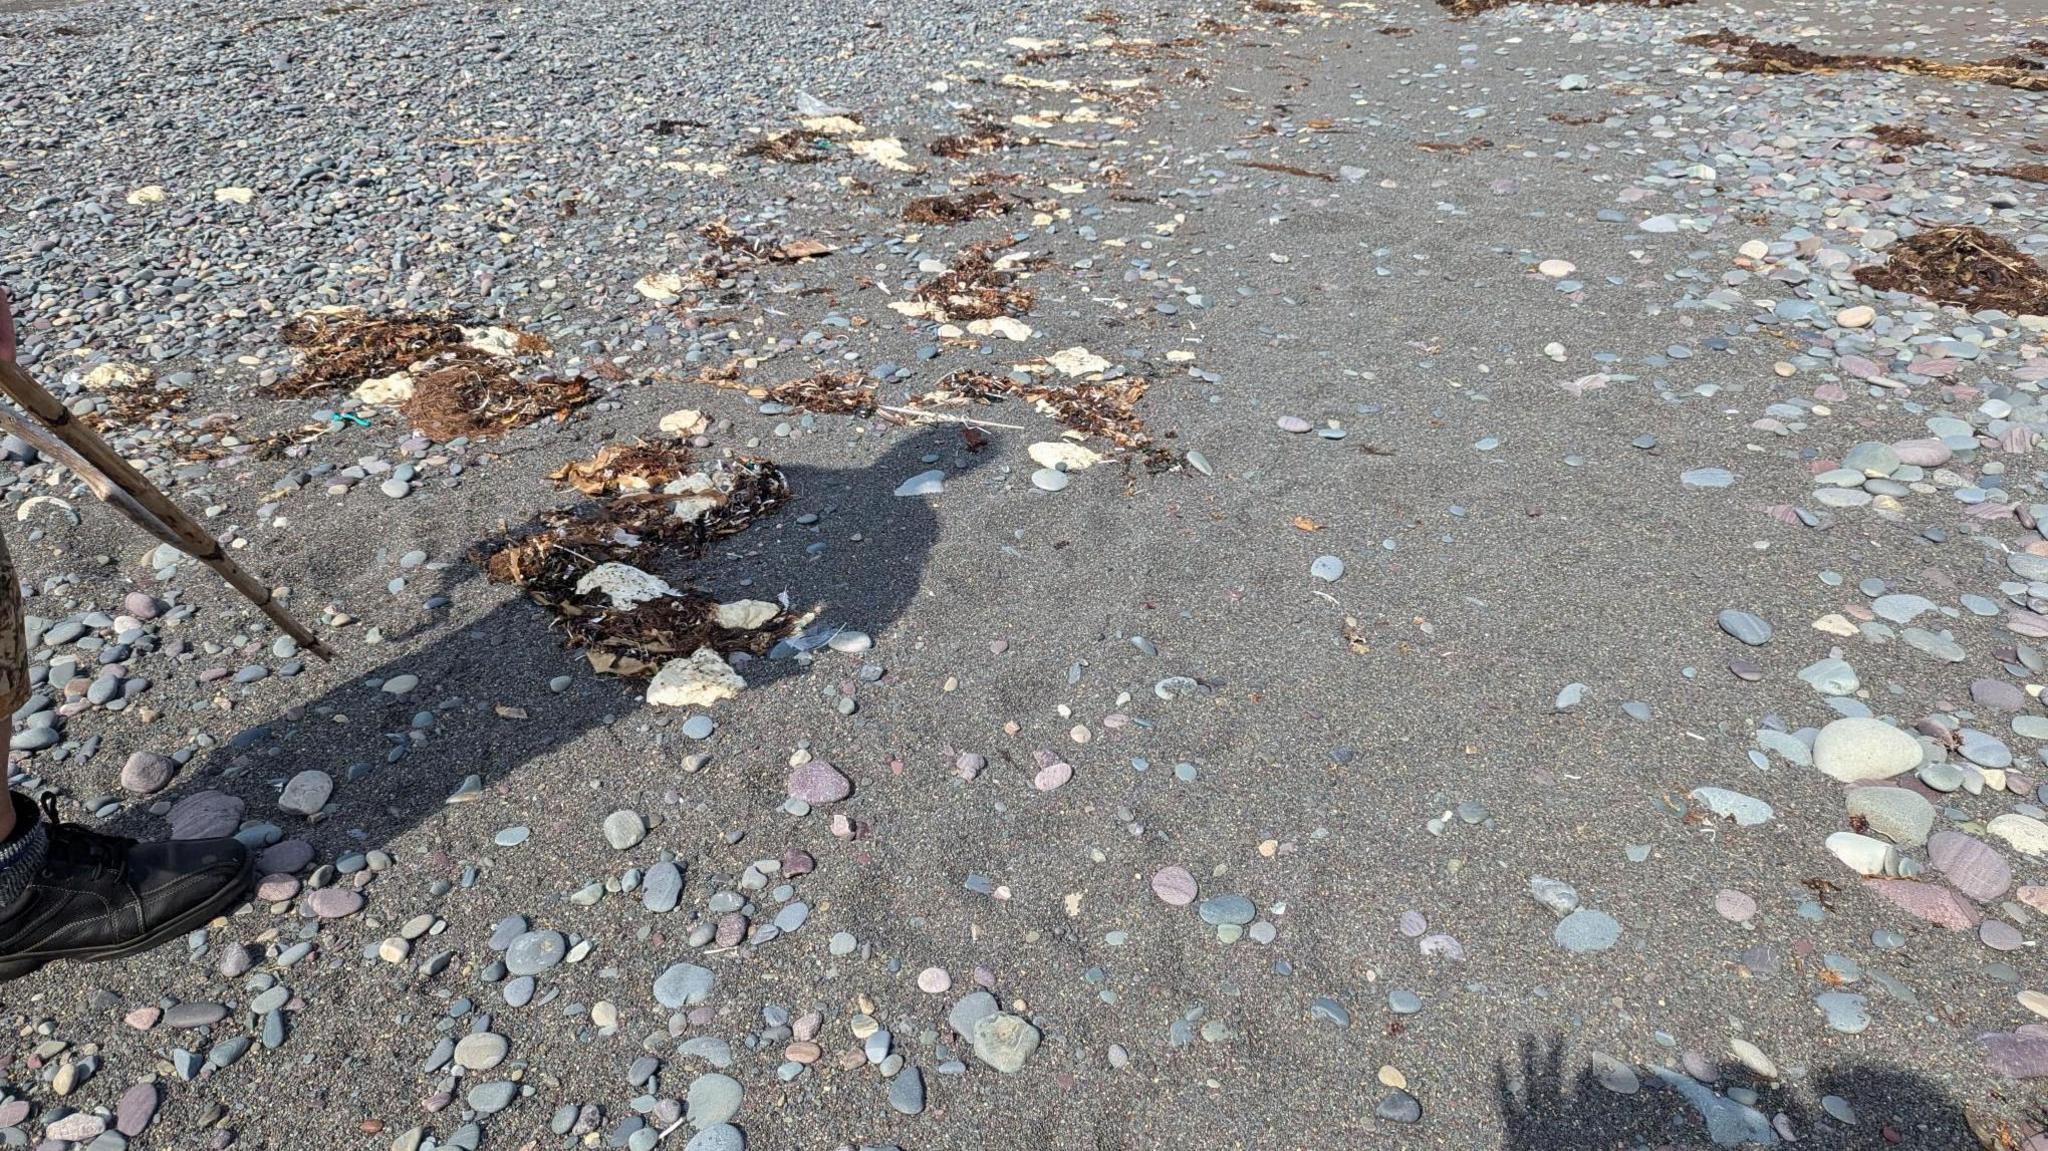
x,y
845,544
846,547
1545,1107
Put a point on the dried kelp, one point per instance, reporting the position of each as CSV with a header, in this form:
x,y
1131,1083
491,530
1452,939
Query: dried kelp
x,y
979,138
1901,135
1751,54
130,399
800,146
1962,265
978,287
2032,173
463,381
838,392
1099,409
483,398
1475,7
342,349
649,507
956,209
625,469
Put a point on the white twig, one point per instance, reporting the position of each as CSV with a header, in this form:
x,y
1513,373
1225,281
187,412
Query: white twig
x,y
920,413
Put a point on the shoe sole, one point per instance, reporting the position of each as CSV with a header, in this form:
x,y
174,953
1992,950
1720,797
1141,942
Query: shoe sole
x,y
230,894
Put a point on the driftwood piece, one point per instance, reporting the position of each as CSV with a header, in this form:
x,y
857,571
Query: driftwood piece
x,y
115,480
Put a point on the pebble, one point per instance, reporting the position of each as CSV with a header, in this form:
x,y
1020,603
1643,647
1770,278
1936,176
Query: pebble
x,y
334,902
1855,750
712,1099
906,1092
1004,1041
146,773
533,952
818,782
1174,886
307,792
661,888
1227,909
624,829
1900,815
1970,864
481,1051
929,483
682,985
718,1137
1744,626
1586,930
1399,1107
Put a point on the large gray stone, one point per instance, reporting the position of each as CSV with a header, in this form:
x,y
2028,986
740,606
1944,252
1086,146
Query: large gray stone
x,y
1854,750
1004,1041
307,792
1902,816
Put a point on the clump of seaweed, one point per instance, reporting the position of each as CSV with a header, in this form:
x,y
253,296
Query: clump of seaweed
x,y
1962,265
956,209
648,504
978,287
1752,54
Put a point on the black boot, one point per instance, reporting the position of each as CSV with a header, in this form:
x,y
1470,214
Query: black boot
x,y
102,896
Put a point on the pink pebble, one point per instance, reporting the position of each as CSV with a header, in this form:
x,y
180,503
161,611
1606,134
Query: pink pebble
x,y
1174,886
1925,453
1734,905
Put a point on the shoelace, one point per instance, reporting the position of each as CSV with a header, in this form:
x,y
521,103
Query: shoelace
x,y
70,843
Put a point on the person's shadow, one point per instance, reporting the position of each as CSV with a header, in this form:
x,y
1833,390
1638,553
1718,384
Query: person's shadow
x,y
475,676
1544,1108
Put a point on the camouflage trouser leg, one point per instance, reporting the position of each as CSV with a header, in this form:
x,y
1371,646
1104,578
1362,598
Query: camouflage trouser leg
x,y
13,641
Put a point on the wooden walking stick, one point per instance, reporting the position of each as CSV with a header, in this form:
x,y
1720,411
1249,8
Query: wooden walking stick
x,y
52,429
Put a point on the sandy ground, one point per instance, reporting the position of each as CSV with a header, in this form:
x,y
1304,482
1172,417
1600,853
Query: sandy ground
x,y
1333,722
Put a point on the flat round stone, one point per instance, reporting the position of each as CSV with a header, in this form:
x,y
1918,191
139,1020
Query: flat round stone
x,y
1586,930
535,952
624,829
717,1137
481,1051
712,1099
682,985
661,887
1970,864
1853,750
1232,909
969,1011
491,1098
1735,906
1846,1011
335,902
1399,1107
146,773
1004,1041
307,792
1174,886
1744,626
1999,935
1899,814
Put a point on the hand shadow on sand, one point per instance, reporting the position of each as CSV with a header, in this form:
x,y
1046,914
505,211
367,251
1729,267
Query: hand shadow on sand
x,y
390,781
1544,1109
